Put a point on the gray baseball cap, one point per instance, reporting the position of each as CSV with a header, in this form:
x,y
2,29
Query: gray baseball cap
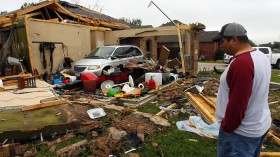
x,y
230,29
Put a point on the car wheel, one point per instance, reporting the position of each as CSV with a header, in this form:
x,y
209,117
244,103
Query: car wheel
x,y
278,64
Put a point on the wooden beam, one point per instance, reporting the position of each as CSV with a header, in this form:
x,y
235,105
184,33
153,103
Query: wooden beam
x,y
182,54
42,14
26,21
199,106
42,105
58,15
274,138
270,154
27,10
15,76
79,25
168,107
33,14
46,10
88,20
185,27
208,101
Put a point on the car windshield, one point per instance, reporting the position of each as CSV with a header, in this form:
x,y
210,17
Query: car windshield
x,y
101,52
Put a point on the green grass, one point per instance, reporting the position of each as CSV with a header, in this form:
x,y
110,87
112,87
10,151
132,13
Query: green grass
x,y
177,143
275,76
18,120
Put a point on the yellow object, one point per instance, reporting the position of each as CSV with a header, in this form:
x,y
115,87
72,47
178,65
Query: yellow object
x,y
137,91
104,91
119,95
65,75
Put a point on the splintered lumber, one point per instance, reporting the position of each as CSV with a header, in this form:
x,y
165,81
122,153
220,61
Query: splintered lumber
x,y
208,101
44,104
270,154
198,102
274,138
169,107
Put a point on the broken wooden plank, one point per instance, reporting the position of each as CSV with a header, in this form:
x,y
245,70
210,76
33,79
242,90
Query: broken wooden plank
x,y
274,138
207,111
208,101
163,56
270,154
169,107
141,102
45,104
15,76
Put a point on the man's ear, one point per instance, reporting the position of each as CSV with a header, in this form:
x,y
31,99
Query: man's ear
x,y
234,39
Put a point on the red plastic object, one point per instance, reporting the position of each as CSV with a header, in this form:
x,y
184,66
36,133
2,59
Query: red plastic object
x,y
123,77
152,83
66,80
89,76
89,85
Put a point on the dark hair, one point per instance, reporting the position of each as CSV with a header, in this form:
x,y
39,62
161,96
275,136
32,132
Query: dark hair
x,y
242,39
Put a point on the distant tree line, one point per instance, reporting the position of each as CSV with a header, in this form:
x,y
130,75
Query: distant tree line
x,y
27,5
3,12
275,46
133,22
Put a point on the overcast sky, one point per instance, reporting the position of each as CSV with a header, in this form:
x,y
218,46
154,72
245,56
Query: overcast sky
x,y
261,18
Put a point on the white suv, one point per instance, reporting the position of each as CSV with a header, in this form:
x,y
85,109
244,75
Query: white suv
x,y
106,57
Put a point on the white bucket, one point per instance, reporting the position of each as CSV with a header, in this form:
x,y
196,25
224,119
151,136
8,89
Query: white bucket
x,y
173,77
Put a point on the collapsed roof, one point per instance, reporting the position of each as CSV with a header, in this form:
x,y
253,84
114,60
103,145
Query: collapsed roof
x,y
63,12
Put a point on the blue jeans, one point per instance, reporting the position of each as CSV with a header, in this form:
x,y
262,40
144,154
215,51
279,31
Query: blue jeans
x,y
234,145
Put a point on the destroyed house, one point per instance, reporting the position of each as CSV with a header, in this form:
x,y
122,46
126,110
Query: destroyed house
x,y
44,34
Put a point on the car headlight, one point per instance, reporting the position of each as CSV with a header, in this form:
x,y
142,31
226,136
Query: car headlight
x,y
93,67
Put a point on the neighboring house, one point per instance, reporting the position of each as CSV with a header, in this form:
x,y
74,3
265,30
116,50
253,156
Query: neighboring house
x,y
207,48
73,29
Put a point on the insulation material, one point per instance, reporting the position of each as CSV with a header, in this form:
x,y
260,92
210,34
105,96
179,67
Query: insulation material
x,y
27,96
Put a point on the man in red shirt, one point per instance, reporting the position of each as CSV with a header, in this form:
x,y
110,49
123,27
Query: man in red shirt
x,y
242,101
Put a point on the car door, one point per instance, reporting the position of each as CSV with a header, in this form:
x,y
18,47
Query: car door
x,y
118,57
133,53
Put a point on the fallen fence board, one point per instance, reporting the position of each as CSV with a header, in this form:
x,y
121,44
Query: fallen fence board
x,y
45,104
